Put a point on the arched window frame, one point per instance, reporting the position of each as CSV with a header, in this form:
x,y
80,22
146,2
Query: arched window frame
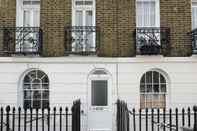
x,y
160,93
29,87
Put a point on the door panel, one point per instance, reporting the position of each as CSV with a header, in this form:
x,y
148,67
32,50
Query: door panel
x,y
99,105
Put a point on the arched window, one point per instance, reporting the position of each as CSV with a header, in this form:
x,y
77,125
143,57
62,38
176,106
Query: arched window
x,y
153,90
36,90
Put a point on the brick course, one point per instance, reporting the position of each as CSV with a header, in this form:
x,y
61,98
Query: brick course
x,y
176,14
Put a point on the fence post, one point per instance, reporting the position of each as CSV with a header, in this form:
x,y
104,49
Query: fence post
x,y
195,117
7,118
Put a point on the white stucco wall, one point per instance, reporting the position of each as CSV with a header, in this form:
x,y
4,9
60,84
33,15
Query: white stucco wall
x,y
69,76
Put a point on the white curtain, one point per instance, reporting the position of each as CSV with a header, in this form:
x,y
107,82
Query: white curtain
x,y
146,14
194,15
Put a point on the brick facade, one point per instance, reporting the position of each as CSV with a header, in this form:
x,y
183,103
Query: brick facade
x,y
116,21
7,16
54,15
176,14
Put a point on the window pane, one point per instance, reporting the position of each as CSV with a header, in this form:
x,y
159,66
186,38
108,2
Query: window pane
x,y
27,104
36,18
89,18
156,88
36,104
149,77
27,86
143,80
79,18
36,86
149,88
37,95
155,77
46,95
142,88
45,104
163,87
146,13
27,94
162,79
27,19
99,93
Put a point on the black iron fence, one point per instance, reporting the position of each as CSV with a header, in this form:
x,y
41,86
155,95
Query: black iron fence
x,y
155,119
61,119
152,40
82,40
21,40
194,40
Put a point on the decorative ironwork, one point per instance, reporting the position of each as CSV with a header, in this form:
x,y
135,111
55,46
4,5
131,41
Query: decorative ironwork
x,y
22,40
152,40
81,40
194,40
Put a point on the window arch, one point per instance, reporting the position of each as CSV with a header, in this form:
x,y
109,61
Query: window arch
x,y
36,90
153,89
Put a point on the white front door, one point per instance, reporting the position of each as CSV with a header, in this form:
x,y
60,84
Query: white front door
x,y
84,22
99,103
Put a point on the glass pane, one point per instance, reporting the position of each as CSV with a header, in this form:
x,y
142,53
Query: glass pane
x,y
142,80
155,77
27,86
27,94
79,2
79,18
89,18
27,104
146,13
36,104
36,81
36,18
88,2
45,95
45,86
45,80
162,79
27,20
156,101
149,88
27,79
99,93
149,77
45,104
156,88
36,86
37,95
163,87
142,88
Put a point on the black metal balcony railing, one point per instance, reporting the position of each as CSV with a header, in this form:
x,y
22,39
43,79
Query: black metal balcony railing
x,y
22,40
152,40
194,40
82,40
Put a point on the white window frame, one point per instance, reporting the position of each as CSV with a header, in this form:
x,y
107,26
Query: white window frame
x,y
167,93
157,7
83,8
20,11
41,89
195,6
106,77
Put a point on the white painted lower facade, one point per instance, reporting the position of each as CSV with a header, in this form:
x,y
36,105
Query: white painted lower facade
x,y
69,80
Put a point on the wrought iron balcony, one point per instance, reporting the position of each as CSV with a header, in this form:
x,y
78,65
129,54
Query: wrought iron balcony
x,y
81,40
194,40
21,40
152,40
